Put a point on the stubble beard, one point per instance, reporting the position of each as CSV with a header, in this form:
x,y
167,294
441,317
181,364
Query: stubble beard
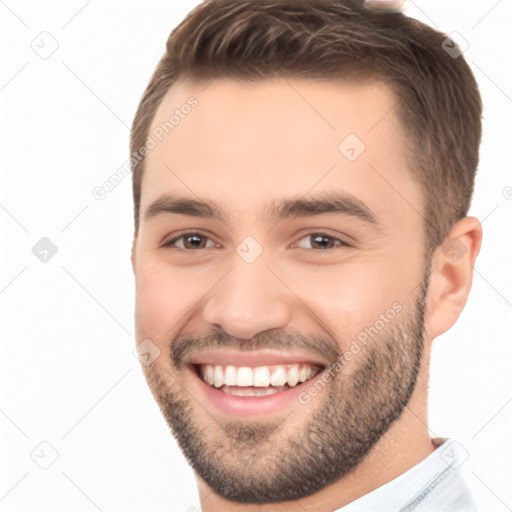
x,y
254,461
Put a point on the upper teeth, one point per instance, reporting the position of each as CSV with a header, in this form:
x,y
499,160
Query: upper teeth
x,y
259,376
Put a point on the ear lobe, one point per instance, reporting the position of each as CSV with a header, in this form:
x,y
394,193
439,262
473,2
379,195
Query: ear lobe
x,y
452,276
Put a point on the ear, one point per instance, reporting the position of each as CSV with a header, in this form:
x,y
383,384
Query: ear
x,y
452,276
132,257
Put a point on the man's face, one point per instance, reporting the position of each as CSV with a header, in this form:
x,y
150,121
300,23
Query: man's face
x,y
252,310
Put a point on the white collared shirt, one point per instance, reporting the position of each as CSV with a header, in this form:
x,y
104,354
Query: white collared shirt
x,y
434,485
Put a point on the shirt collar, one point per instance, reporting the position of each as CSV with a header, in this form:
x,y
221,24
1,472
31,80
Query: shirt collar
x,y
400,491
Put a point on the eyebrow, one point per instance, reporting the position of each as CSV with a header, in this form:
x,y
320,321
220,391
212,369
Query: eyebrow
x,y
274,210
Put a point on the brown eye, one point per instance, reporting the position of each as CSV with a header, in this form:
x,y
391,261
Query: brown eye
x,y
191,241
322,241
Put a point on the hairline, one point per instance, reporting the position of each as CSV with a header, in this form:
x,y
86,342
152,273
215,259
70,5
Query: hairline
x,y
358,76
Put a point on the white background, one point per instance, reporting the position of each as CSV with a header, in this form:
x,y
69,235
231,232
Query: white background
x,y
68,374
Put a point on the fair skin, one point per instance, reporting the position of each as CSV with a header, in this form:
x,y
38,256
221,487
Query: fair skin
x,y
240,147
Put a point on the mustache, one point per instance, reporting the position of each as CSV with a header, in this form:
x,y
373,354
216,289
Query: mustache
x,y
185,346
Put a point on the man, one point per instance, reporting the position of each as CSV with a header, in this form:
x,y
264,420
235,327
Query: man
x,y
302,174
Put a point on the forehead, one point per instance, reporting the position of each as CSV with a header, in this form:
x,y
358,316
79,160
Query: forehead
x,y
238,142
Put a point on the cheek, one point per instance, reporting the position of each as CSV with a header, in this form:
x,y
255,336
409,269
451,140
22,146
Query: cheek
x,y
167,296
351,297
163,298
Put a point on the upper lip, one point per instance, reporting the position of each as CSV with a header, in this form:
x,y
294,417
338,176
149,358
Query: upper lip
x,y
225,357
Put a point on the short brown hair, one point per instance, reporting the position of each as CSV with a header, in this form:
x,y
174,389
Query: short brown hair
x,y
440,105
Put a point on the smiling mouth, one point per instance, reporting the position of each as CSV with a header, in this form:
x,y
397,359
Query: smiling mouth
x,y
248,381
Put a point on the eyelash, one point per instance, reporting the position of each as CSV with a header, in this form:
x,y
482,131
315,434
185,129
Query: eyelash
x,y
171,243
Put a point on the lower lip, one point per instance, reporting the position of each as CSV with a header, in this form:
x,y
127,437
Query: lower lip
x,y
252,405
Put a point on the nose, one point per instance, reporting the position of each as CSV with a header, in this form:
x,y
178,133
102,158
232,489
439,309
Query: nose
x,y
250,299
